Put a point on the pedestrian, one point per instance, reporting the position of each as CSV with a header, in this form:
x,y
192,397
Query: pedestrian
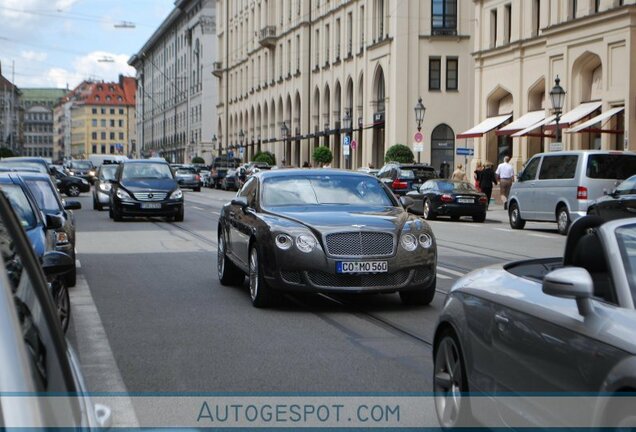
x,y
487,179
477,175
306,165
505,175
459,174
444,170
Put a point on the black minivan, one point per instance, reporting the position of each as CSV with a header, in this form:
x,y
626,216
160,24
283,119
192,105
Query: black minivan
x,y
145,188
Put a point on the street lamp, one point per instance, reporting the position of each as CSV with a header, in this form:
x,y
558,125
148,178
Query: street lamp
x,y
557,97
419,109
284,132
346,121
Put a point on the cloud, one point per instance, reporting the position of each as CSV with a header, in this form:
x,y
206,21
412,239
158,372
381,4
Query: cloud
x,y
34,56
64,4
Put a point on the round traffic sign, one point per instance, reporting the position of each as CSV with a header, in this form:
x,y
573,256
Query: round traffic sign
x,y
418,137
354,144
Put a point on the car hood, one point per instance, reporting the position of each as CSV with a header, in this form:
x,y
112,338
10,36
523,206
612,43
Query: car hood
x,y
143,185
326,219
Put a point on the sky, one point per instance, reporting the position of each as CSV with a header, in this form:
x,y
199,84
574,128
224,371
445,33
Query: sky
x,y
59,43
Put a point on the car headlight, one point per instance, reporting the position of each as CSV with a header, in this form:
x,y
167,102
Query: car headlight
x,y
306,243
84,182
426,241
106,187
408,242
91,173
71,173
61,238
123,195
283,241
178,194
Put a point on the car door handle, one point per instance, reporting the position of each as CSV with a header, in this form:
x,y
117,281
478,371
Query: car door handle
x,y
501,319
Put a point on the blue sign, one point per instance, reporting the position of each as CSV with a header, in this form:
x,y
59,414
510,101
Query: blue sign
x,y
463,151
347,140
230,154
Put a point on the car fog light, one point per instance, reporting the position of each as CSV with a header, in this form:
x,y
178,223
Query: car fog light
x,y
408,242
426,241
283,241
305,243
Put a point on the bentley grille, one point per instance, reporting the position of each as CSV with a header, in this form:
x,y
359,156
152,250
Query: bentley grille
x,y
323,279
150,196
353,244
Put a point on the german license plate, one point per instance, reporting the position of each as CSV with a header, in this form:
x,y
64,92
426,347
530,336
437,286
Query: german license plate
x,y
362,267
466,201
150,205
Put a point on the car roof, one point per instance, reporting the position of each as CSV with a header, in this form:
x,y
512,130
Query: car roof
x,y
144,161
25,159
34,176
10,177
294,172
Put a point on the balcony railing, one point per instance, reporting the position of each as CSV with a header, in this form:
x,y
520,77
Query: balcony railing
x,y
267,36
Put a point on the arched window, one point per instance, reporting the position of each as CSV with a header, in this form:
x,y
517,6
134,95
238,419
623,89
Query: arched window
x,y
442,147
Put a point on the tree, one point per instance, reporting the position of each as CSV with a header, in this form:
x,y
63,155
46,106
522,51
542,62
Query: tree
x,y
198,160
323,155
265,157
5,152
399,153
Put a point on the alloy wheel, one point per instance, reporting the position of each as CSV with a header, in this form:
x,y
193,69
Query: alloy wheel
x,y
253,274
73,191
563,221
448,382
220,256
427,209
514,214
62,303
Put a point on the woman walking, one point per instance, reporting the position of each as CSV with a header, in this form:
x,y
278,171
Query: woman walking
x,y
486,180
477,175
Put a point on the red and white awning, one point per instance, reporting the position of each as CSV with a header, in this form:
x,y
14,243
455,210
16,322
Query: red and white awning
x,y
575,115
528,131
523,122
486,126
587,126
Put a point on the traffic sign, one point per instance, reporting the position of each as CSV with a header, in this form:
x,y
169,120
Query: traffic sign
x,y
463,151
230,154
346,140
418,137
346,150
242,150
354,144
418,148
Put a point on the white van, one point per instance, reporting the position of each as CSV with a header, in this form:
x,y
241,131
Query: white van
x,y
559,186
99,159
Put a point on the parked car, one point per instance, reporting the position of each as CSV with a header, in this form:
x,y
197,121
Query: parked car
x,y
40,230
100,159
101,187
403,178
35,356
231,180
559,186
618,204
70,185
219,169
188,177
81,168
49,201
371,171
254,167
449,198
322,230
551,326
38,163
145,188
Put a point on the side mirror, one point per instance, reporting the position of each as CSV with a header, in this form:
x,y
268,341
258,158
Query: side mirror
x,y
72,205
57,263
571,282
406,201
54,221
240,201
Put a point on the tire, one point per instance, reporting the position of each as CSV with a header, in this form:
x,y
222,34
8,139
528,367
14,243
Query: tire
x,y
110,211
62,303
450,383
73,191
454,218
70,278
117,217
180,215
427,210
563,220
229,274
514,215
419,297
480,218
97,205
261,293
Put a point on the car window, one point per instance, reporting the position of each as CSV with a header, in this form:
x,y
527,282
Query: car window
x,y
611,166
186,171
530,171
558,167
451,187
628,187
324,190
626,237
20,204
44,195
107,173
81,165
146,171
407,174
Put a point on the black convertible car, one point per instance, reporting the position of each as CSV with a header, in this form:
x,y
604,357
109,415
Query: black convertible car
x,y
619,204
324,231
449,198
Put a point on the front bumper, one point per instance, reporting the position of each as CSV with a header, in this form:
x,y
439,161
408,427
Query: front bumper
x,y
460,209
134,208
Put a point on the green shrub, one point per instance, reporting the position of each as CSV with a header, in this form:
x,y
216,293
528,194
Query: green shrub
x,y
5,152
198,160
399,153
265,157
322,155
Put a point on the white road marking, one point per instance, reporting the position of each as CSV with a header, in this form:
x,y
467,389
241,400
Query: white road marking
x,y
541,236
504,229
449,271
216,213
198,208
78,264
95,355
441,276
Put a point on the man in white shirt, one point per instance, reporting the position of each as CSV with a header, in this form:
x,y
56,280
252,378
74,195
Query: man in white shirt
x,y
505,175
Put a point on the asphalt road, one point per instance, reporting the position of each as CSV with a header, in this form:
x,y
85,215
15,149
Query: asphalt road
x,y
151,316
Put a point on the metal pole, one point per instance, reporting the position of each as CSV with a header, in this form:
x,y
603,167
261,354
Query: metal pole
x,y
558,128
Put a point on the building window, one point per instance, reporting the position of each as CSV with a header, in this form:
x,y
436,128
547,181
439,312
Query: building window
x,y
362,24
121,135
121,111
103,122
94,110
103,111
508,27
94,122
597,5
573,5
94,148
493,28
379,20
103,135
444,17
338,41
94,135
349,34
112,149
103,149
434,73
536,16
112,110
452,67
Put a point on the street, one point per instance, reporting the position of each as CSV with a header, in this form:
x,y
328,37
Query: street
x,y
149,314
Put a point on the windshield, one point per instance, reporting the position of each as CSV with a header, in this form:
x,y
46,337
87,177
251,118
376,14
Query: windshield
x,y
626,237
20,204
628,187
611,166
19,164
186,171
146,171
107,172
81,165
450,187
44,195
324,190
